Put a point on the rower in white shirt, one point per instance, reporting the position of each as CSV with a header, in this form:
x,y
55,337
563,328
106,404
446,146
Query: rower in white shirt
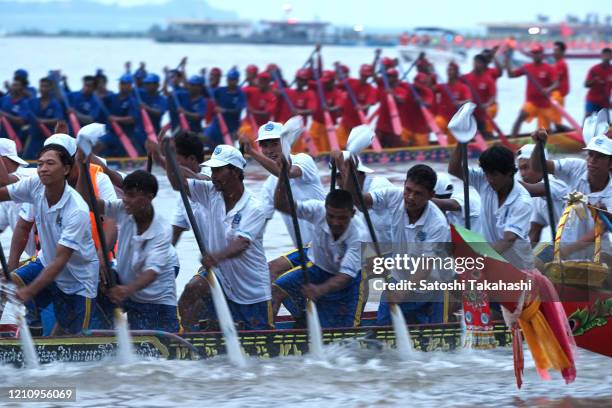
x,y
532,181
590,177
419,229
66,271
233,235
146,267
506,204
451,201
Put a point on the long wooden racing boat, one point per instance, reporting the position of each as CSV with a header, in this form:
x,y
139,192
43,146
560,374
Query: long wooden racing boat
x,y
285,341
562,142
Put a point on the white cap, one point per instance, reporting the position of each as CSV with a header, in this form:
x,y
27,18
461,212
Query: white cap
x,y
224,155
601,144
9,149
62,139
526,150
271,130
444,184
360,167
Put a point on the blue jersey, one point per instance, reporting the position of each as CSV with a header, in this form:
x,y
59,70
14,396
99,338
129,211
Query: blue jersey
x,y
53,110
17,107
158,102
235,101
197,105
119,105
85,105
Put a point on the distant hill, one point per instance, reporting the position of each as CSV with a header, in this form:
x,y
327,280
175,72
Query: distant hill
x,y
53,16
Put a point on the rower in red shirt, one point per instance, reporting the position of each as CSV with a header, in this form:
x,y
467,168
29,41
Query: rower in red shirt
x,y
483,90
366,96
261,104
563,82
497,69
251,72
599,82
283,110
448,98
384,126
305,102
415,130
537,104
334,100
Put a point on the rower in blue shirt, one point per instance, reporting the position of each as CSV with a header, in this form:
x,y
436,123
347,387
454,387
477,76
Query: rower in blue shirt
x,y
14,107
83,102
191,103
155,103
44,113
230,101
23,74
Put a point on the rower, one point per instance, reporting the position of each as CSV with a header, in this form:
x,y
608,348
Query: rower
x,y
415,129
506,204
599,83
83,104
484,93
384,127
451,202
153,101
563,86
233,223
145,257
14,107
261,104
22,75
419,227
305,102
66,272
250,74
283,111
537,105
45,110
102,91
123,109
191,103
334,100
496,71
532,181
214,78
366,96
590,177
305,184
335,280
230,101
448,98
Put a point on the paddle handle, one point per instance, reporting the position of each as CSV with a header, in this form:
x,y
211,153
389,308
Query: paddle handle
x,y
332,184
8,128
466,185
549,201
366,212
294,219
227,138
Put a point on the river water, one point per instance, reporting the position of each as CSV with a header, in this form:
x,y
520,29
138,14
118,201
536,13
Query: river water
x,y
346,376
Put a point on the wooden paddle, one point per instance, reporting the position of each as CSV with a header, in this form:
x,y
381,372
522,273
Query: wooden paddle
x,y
74,121
393,113
441,136
549,201
183,124
306,63
329,124
123,138
227,137
8,128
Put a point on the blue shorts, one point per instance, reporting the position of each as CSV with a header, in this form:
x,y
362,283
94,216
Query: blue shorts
x,y
337,309
255,316
590,107
414,312
293,257
72,312
150,316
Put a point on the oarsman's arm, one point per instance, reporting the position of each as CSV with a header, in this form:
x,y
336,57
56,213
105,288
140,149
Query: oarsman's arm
x,y
281,202
511,72
454,163
83,118
19,241
192,115
347,180
534,161
123,120
176,234
236,247
173,179
447,204
535,190
119,293
154,150
505,243
151,110
18,120
115,177
268,164
48,274
333,284
535,231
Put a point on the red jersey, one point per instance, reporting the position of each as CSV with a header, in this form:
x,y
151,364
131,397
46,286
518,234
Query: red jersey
x,y
365,94
283,111
384,117
544,75
481,86
562,76
305,99
410,111
494,73
599,93
262,101
333,98
446,106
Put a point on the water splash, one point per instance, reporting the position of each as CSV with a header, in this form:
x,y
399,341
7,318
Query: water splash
x,y
125,350
30,357
402,336
466,338
226,322
315,334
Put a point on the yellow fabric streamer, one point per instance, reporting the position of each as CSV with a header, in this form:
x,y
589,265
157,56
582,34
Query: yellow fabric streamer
x,y
545,349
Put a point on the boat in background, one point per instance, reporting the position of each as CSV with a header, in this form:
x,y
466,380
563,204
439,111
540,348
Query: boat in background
x,y
439,45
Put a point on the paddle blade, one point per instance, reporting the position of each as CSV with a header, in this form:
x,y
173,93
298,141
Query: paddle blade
x,y
463,124
291,131
88,137
361,137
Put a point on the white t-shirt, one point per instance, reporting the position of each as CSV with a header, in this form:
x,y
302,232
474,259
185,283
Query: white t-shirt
x,y
514,215
380,218
558,190
65,223
245,278
306,187
152,250
9,210
333,256
458,217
